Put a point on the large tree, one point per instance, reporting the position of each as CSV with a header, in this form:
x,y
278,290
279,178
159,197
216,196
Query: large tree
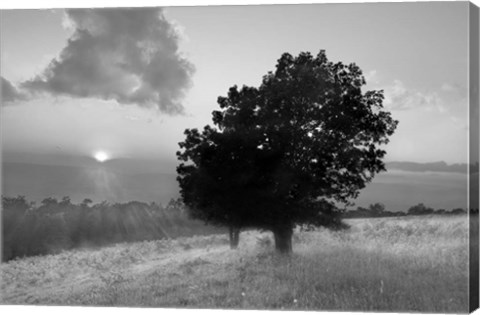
x,y
286,153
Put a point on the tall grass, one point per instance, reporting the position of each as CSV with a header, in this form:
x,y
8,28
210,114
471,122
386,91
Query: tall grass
x,y
414,264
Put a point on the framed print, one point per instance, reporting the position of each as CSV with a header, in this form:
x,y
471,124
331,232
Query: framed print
x,y
301,157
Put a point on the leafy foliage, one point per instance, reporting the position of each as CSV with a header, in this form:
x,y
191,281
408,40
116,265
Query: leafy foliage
x,y
282,154
420,209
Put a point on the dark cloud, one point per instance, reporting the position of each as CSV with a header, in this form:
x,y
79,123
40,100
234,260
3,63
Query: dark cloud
x,y
128,55
9,92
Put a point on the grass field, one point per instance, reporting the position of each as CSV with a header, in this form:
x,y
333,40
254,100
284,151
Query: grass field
x,y
386,264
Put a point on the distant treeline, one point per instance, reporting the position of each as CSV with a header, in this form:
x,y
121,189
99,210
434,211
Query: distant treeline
x,y
57,225
378,210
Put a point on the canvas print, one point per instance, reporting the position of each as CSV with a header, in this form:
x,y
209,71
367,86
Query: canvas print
x,y
319,157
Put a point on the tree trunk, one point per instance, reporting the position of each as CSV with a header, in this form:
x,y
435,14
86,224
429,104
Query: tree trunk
x,y
283,239
234,234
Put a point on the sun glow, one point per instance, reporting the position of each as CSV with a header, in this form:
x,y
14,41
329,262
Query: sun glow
x,y
101,156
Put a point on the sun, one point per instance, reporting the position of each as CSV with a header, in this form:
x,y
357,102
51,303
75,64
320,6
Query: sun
x,y
101,156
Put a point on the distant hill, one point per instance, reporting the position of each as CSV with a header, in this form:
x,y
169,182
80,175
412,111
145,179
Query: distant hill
x,y
399,190
112,183
405,184
431,167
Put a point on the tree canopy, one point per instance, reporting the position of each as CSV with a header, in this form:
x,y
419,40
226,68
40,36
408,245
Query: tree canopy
x,y
284,153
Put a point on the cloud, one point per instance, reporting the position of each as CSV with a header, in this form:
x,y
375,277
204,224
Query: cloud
x,y
398,97
128,55
455,90
10,93
447,87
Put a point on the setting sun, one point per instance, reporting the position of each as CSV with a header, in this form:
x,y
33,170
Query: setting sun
x,y
101,156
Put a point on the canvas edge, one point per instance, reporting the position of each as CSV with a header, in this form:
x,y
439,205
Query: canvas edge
x,y
473,200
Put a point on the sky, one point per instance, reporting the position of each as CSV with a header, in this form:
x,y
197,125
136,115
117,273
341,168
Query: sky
x,y
128,82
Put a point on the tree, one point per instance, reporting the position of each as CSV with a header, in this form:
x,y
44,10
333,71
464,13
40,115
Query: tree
x,y
14,210
214,187
420,209
86,203
377,209
50,201
18,204
282,154
175,205
458,211
65,202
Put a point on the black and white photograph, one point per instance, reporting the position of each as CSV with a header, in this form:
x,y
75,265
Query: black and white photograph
x,y
300,157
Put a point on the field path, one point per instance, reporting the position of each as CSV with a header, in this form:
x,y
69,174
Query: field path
x,y
72,276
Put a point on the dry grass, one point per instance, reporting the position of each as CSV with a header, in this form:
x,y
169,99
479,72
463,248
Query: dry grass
x,y
392,264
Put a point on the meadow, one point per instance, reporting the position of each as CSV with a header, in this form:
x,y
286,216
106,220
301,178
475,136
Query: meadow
x,y
405,264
